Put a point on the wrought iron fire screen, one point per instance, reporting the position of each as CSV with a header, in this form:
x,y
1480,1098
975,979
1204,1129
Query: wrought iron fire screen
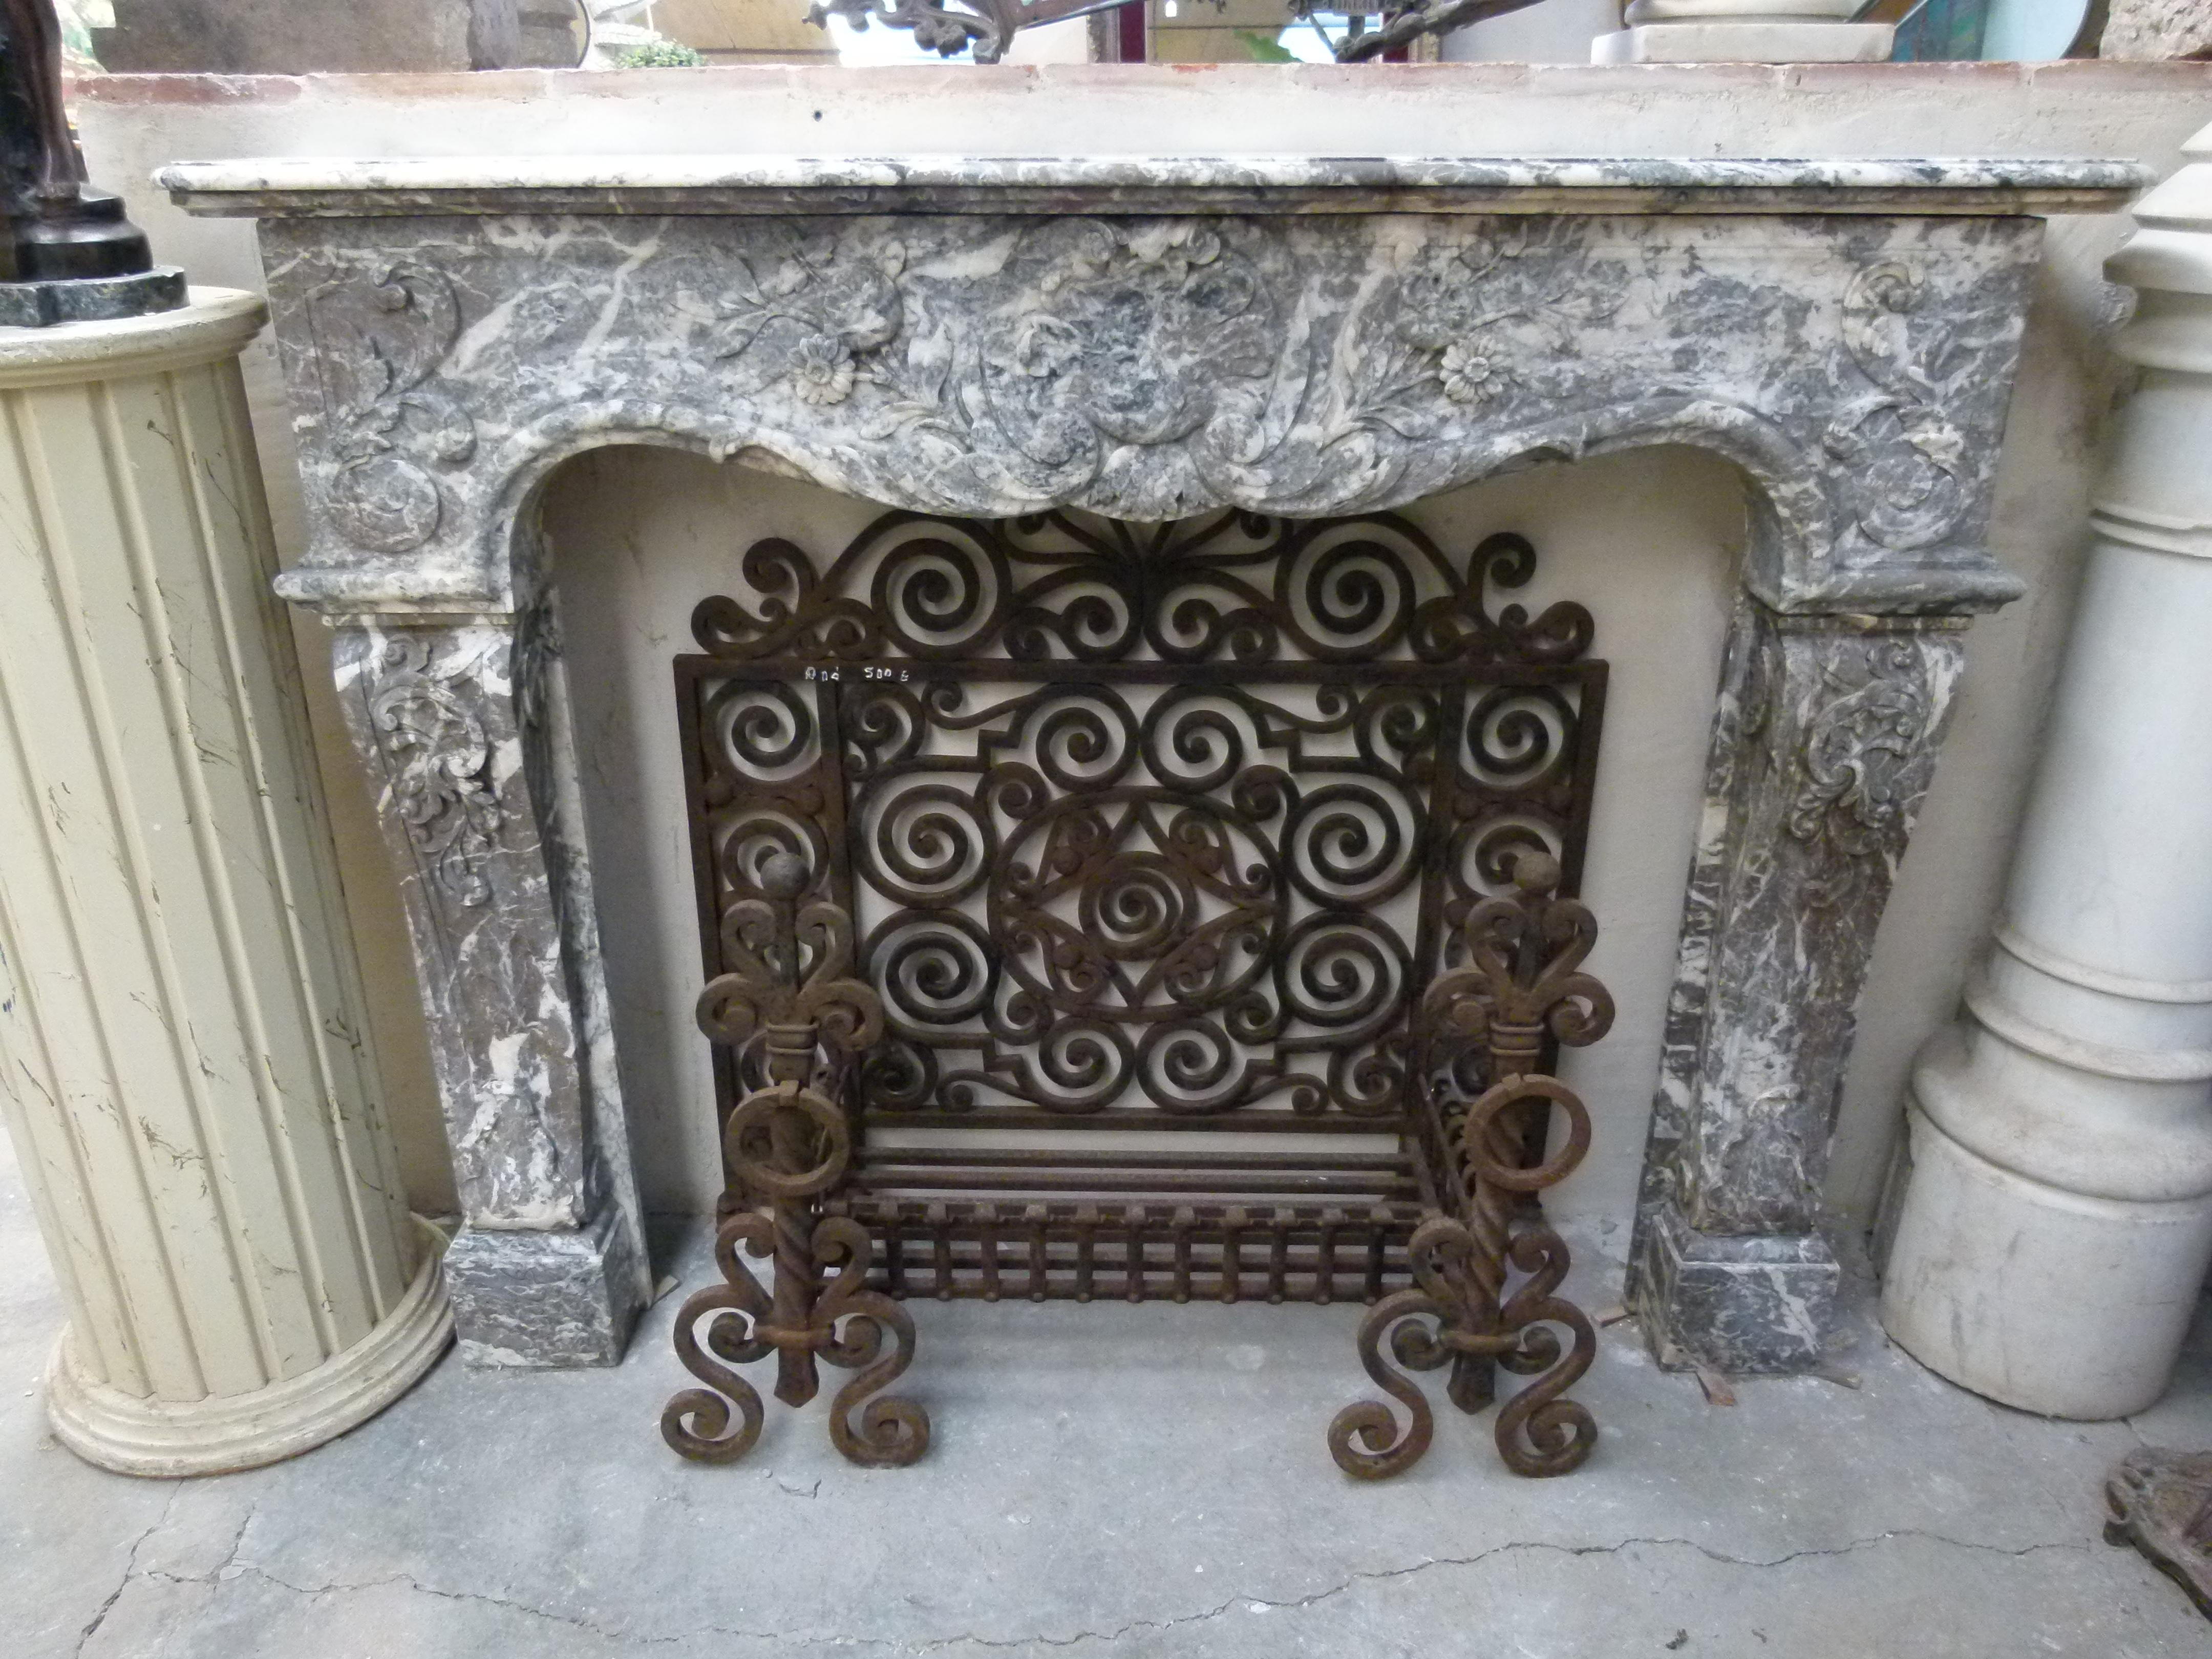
x,y
1024,848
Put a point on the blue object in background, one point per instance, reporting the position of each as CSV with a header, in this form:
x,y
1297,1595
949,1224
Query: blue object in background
x,y
1940,32
2001,31
2031,31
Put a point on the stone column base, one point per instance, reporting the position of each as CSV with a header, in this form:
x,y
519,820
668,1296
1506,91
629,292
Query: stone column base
x,y
1748,1307
2049,1301
224,1433
544,1299
1745,43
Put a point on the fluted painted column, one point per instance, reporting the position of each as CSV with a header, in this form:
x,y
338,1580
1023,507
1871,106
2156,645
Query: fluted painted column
x,y
190,1086
2057,1218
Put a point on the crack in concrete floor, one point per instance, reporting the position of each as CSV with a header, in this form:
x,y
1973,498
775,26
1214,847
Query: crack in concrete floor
x,y
1042,1640
1091,1465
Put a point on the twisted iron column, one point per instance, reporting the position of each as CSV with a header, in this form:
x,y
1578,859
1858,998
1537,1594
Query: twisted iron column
x,y
1522,982
786,1144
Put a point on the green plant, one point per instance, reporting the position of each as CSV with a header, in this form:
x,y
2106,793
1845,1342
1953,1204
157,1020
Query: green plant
x,y
662,54
1265,48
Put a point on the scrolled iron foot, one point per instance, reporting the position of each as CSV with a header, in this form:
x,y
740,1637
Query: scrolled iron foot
x,y
852,1322
696,1423
1539,1433
1366,1437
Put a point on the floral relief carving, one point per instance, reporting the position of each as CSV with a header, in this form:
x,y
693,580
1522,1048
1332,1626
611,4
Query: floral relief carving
x,y
1468,375
379,340
1472,318
439,760
1148,367
814,314
1146,332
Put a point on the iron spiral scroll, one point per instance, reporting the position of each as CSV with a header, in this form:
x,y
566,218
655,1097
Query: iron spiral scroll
x,y
1260,827
1523,984
787,1142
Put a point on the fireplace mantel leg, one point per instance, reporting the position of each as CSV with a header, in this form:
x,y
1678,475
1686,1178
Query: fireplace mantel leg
x,y
461,727
1822,748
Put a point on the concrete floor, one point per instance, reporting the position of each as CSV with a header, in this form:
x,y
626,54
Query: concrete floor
x,y
1105,1480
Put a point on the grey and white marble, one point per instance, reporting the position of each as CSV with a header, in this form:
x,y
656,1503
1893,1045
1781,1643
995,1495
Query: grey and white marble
x,y
1824,743
457,722
1301,336
1268,185
1152,367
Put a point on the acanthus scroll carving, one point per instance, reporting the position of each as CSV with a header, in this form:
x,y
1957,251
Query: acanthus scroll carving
x,y
440,769
1860,771
379,340
1150,368
1901,458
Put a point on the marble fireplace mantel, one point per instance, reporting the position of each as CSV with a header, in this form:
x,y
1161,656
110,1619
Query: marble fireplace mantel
x,y
1150,339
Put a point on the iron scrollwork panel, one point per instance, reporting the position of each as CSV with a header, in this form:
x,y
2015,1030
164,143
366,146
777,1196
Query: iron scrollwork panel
x,y
1158,823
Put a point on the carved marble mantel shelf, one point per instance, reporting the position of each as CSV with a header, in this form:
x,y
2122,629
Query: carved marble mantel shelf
x,y
1149,339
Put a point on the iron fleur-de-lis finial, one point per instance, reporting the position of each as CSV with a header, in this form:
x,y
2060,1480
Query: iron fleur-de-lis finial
x,y
788,1144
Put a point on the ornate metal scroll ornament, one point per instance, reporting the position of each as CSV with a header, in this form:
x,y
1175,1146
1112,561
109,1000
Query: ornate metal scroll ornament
x,y
1522,983
1089,890
440,769
1402,25
948,31
987,27
788,1144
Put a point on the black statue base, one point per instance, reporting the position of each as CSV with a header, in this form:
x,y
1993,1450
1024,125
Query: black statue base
x,y
67,252
91,299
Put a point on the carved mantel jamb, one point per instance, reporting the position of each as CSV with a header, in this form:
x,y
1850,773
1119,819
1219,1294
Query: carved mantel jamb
x,y
1823,743
461,724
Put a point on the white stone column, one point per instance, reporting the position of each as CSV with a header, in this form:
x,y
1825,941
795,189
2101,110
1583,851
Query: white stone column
x,y
1744,32
189,1086
2057,1218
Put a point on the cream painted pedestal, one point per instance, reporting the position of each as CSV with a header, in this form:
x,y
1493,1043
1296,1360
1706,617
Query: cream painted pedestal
x,y
190,1086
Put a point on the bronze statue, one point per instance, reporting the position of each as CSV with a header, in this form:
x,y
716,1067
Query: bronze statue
x,y
69,254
